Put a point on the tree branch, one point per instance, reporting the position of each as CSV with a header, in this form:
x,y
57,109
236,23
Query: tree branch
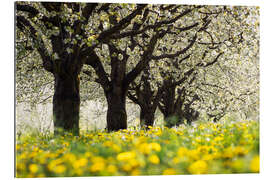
x,y
163,56
47,61
52,6
87,10
26,8
187,28
157,25
211,62
105,35
133,98
158,96
93,60
131,76
186,75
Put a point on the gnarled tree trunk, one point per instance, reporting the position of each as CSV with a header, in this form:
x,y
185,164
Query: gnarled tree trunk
x,y
116,113
170,106
66,103
174,109
147,117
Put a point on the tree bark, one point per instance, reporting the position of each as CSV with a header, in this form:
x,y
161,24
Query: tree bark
x,y
66,103
172,106
147,117
116,113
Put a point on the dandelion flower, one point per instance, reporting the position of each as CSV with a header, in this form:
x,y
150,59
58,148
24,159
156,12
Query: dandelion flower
x,y
98,166
255,164
169,171
59,169
111,168
33,168
198,167
154,159
155,146
125,156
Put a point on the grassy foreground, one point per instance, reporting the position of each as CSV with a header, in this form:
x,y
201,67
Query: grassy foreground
x,y
204,148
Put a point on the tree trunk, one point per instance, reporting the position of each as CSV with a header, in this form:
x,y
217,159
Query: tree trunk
x,y
116,113
66,103
147,117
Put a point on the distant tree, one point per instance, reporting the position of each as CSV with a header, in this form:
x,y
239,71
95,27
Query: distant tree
x,y
231,86
174,103
148,99
148,91
174,100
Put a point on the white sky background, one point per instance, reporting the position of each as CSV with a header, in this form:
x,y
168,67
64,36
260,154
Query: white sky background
x,y
7,89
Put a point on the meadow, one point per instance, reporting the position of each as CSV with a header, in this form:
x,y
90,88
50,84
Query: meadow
x,y
203,148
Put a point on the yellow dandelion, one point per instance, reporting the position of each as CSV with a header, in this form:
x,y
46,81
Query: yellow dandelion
x,y
23,155
111,168
20,166
228,153
239,150
135,172
69,157
218,139
194,154
97,159
207,157
144,148
66,144
35,149
126,156
182,151
78,172
169,171
155,146
32,154
201,127
116,148
59,169
198,167
33,168
127,167
176,160
108,143
80,163
255,164
133,162
97,166
154,159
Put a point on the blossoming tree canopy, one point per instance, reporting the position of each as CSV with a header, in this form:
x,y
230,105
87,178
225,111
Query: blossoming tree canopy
x,y
210,52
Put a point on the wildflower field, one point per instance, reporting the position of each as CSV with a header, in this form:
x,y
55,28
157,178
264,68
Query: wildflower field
x,y
203,148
